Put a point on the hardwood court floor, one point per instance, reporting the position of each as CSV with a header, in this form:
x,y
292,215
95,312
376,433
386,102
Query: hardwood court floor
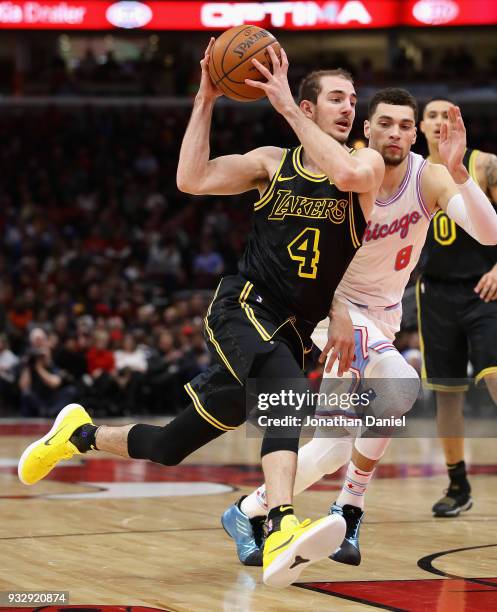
x,y
144,535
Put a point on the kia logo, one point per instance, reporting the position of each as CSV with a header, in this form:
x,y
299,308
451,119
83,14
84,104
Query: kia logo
x,y
435,12
129,15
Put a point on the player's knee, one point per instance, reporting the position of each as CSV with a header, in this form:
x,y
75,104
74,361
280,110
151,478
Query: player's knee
x,y
274,444
408,390
167,451
395,384
169,458
158,444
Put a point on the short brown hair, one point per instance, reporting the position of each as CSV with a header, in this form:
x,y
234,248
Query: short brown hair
x,y
395,96
310,86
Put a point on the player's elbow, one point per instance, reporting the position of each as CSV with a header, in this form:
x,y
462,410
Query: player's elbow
x,y
488,237
182,183
354,179
489,241
344,179
186,185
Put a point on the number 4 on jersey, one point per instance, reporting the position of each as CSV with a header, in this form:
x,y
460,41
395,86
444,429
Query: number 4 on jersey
x,y
304,249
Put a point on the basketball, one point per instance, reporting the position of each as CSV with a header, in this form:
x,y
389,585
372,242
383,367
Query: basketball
x,y
231,61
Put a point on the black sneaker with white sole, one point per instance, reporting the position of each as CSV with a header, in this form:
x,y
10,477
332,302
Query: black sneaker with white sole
x,y
349,551
457,499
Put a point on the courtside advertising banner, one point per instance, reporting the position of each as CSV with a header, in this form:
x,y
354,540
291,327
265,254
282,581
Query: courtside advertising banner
x,y
300,15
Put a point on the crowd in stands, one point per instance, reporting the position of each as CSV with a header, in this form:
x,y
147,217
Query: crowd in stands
x,y
173,70
106,269
114,368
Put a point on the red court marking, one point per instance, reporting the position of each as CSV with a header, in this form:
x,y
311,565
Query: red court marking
x,y
117,470
23,429
415,595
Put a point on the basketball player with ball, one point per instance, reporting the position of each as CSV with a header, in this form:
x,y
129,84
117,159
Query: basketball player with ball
x,y
309,215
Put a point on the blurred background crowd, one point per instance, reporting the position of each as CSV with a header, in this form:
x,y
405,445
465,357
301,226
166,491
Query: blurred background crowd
x,y
166,64
106,269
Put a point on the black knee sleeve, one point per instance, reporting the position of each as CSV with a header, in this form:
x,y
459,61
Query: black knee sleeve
x,y
271,444
279,372
169,445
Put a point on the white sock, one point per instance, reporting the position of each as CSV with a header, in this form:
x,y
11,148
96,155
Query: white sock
x,y
354,486
255,503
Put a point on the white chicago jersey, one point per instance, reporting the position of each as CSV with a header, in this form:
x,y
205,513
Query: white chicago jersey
x,y
391,245
375,280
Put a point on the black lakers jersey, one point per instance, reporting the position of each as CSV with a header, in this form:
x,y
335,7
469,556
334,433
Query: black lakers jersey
x,y
305,232
449,252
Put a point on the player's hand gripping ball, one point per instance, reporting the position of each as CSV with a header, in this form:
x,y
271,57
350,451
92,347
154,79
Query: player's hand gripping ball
x,y
231,61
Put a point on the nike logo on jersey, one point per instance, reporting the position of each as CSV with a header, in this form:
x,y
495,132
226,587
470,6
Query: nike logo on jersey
x,y
281,179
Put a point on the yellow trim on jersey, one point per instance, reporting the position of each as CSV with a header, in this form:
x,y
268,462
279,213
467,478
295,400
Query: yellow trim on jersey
x,y
472,165
483,373
445,388
421,342
219,350
270,189
353,234
213,340
304,350
203,412
310,176
250,313
214,298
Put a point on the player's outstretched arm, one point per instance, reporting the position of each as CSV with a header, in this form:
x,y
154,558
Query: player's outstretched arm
x,y
230,174
361,173
450,187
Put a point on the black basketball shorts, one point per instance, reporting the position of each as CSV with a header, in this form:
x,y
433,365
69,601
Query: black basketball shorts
x,y
455,326
243,330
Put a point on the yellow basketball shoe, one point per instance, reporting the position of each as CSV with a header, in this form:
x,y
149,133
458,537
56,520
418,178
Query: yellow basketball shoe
x,y
43,455
296,545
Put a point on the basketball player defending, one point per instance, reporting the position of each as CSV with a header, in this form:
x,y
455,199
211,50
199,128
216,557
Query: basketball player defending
x,y
259,322
372,288
457,307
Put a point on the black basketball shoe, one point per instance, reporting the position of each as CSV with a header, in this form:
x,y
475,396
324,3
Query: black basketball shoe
x,y
457,499
349,552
